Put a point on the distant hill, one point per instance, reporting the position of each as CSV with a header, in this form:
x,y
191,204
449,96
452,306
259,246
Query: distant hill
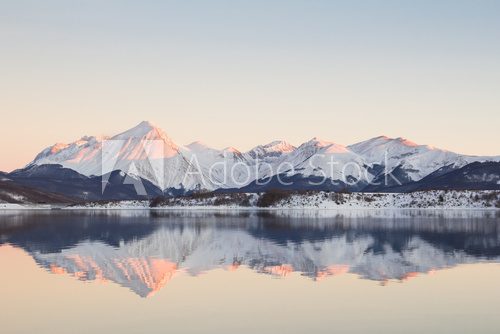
x,y
65,181
474,176
11,192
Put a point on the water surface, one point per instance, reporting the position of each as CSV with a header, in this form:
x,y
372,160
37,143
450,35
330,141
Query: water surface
x,y
217,272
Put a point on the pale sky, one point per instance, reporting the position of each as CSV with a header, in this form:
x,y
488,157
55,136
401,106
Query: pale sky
x,y
242,73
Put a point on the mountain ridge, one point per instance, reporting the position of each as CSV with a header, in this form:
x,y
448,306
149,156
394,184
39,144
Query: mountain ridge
x,y
146,152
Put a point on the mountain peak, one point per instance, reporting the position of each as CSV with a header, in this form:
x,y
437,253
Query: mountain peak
x,y
145,126
280,145
405,141
318,142
144,130
271,150
382,143
276,145
198,146
231,149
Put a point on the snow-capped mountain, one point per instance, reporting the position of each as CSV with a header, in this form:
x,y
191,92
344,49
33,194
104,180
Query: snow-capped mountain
x,y
147,152
270,152
230,168
226,168
326,159
418,160
415,161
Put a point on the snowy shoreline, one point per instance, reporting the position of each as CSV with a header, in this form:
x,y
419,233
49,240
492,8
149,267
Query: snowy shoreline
x,y
431,200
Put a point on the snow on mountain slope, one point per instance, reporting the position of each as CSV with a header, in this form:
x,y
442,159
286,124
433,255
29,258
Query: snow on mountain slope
x,y
265,159
326,159
271,151
144,151
148,152
226,168
74,153
417,160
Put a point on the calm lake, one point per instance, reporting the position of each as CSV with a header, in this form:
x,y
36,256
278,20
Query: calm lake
x,y
250,272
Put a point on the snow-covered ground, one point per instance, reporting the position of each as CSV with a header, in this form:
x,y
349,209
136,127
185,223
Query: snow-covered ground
x,y
16,206
325,200
418,200
112,205
438,200
8,206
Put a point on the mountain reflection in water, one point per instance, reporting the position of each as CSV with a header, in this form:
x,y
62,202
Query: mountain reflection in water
x,y
143,250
